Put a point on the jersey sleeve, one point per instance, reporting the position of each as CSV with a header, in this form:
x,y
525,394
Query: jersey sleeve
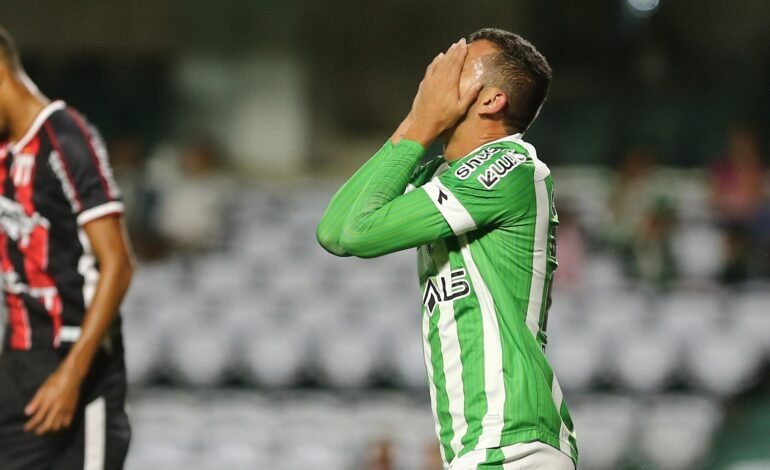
x,y
500,190
386,216
384,219
81,163
330,227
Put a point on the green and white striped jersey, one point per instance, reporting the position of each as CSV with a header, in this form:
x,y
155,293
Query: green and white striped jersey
x,y
484,227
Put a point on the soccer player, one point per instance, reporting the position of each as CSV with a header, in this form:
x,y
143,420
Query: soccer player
x,y
483,221
65,264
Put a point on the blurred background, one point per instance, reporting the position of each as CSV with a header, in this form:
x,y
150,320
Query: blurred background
x,y
230,125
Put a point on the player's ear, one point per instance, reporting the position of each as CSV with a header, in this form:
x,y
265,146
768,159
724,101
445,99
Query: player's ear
x,y
492,101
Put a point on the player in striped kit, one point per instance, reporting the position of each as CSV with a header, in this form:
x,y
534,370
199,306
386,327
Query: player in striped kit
x,y
65,264
483,221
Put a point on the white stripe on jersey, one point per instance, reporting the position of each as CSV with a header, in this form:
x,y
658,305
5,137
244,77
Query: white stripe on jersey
x,y
87,268
453,211
429,366
564,433
539,258
450,351
492,423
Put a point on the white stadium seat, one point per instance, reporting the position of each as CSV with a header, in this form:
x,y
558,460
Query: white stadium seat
x,y
606,429
723,362
677,431
644,361
577,358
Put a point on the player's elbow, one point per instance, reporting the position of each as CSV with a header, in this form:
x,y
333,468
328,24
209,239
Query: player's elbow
x,y
357,244
329,242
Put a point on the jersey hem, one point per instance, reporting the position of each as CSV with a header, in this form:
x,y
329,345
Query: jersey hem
x,y
528,435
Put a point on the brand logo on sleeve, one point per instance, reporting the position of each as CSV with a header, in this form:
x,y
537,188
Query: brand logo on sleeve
x,y
444,289
500,169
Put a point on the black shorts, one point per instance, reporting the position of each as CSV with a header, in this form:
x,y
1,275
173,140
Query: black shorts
x,y
100,433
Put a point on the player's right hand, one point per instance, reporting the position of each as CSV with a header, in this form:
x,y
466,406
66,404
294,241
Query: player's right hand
x,y
439,104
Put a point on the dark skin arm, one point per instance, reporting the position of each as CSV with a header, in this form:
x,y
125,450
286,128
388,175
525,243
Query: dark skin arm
x,y
53,406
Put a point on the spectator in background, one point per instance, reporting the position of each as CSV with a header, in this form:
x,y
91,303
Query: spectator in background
x,y
380,456
433,460
194,201
640,218
653,256
737,182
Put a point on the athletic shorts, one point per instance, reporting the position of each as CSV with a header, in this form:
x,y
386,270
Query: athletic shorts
x,y
528,456
99,435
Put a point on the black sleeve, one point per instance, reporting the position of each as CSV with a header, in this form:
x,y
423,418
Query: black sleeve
x,y
85,171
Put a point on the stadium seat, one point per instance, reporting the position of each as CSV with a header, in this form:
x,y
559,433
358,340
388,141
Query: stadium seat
x,y
699,251
577,358
688,315
275,357
722,362
199,355
605,427
643,361
346,359
677,431
751,315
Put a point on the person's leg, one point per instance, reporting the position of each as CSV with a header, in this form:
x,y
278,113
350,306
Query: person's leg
x,y
21,373
100,434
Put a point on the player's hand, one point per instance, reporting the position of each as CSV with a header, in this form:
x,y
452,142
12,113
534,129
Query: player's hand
x,y
439,102
53,406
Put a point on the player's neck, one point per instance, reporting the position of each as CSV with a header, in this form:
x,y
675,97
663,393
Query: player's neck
x,y
23,108
465,139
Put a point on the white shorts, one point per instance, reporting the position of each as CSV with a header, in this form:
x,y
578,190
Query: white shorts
x,y
527,456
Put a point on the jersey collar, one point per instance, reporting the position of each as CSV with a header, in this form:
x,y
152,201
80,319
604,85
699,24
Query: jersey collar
x,y
508,138
42,116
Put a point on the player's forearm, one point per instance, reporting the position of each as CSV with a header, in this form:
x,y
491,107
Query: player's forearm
x,y
115,278
402,129
330,227
360,235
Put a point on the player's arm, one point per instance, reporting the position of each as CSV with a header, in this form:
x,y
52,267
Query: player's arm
x,y
330,227
87,183
384,220
53,406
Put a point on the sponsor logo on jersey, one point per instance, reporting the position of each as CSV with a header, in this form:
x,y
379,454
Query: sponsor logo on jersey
x,y
444,289
16,224
470,165
22,169
501,168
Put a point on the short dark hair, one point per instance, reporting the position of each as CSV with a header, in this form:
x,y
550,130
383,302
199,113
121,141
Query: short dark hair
x,y
8,52
520,71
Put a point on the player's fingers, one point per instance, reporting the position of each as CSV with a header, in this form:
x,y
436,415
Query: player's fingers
x,y
457,59
432,66
470,95
68,420
34,404
48,424
441,59
40,415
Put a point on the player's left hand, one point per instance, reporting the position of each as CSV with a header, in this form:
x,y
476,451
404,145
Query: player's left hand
x,y
53,406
